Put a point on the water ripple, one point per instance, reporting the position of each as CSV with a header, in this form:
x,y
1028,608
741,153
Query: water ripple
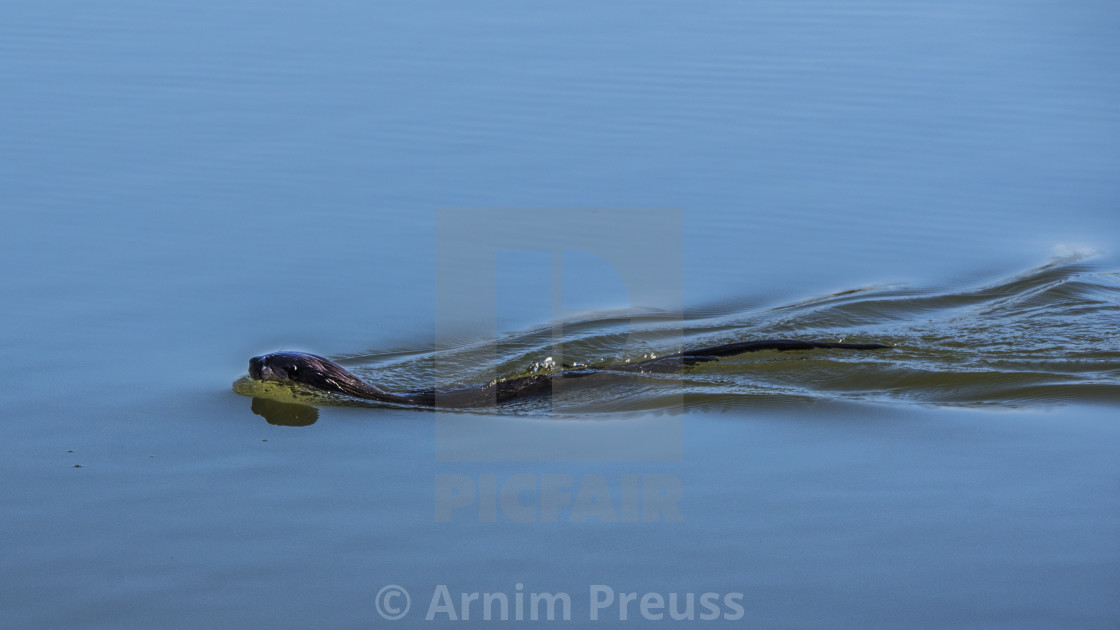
x,y
1041,337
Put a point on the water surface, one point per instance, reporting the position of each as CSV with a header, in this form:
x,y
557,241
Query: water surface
x,y
186,187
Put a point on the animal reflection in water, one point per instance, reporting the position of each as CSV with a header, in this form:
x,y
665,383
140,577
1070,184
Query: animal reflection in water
x,y
316,376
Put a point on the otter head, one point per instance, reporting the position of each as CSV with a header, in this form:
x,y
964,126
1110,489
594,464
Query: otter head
x,y
312,371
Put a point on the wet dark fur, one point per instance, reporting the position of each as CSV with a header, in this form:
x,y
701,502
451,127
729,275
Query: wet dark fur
x,y
323,374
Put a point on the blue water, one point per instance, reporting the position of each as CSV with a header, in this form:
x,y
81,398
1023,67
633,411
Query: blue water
x,y
184,187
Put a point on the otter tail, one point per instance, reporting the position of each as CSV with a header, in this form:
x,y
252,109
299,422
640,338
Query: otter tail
x,y
674,362
777,344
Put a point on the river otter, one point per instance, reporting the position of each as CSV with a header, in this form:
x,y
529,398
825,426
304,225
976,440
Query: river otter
x,y
321,374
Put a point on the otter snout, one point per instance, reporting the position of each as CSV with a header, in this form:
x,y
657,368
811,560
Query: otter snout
x,y
283,366
260,370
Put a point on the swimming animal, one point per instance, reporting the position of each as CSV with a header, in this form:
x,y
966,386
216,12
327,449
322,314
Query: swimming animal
x,y
323,375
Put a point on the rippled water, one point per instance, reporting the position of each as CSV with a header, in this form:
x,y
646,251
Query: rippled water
x,y
1045,336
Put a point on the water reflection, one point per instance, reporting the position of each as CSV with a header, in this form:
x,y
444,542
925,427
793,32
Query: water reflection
x,y
285,414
